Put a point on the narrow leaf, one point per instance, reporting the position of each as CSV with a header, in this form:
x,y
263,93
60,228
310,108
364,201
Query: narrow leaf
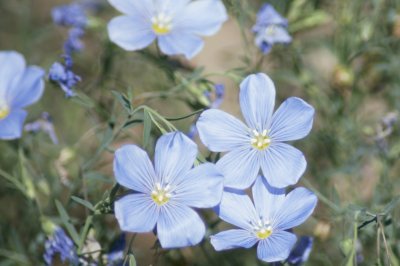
x,y
83,202
66,221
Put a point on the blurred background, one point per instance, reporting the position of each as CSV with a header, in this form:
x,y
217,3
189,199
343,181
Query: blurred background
x,y
344,60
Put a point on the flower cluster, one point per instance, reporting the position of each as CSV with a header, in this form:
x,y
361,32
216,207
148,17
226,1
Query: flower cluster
x,y
163,193
62,75
61,244
270,28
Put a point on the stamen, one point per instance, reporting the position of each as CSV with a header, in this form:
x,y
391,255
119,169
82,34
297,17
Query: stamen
x,y
4,111
161,195
161,23
262,229
260,141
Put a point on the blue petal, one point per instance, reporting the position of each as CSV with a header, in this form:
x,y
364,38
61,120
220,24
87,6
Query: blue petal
x,y
171,7
134,8
300,253
136,213
133,169
179,226
268,15
174,157
298,205
201,187
266,197
282,165
12,66
11,126
240,167
234,238
221,132
276,247
257,100
28,90
204,17
131,33
236,208
293,120
180,43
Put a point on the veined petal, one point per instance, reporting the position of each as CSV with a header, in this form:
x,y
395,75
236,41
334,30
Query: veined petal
x,y
133,169
234,238
240,167
298,205
130,33
201,187
12,66
236,208
292,121
257,100
179,226
203,17
28,90
171,7
11,126
142,9
221,132
136,213
180,43
276,247
174,157
282,165
267,199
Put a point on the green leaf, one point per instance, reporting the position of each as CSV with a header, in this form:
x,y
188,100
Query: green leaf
x,y
83,202
125,102
66,221
147,128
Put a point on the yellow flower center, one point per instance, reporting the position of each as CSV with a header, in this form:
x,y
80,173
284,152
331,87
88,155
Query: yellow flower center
x,y
161,24
270,30
161,195
262,229
4,111
260,141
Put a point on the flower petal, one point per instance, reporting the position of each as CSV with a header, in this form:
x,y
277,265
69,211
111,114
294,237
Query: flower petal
x,y
266,198
11,126
234,238
257,100
179,226
29,89
133,169
142,9
292,121
174,156
136,213
201,187
298,205
236,208
204,17
130,33
276,247
221,132
282,165
240,167
12,66
180,43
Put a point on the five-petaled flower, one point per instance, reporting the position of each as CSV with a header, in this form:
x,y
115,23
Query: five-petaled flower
x,y
266,222
20,86
259,144
270,28
165,193
177,24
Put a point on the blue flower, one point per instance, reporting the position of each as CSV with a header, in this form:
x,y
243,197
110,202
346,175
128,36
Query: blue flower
x,y
266,222
72,15
116,254
20,86
45,124
260,143
177,24
62,244
74,43
299,255
64,77
270,28
166,192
